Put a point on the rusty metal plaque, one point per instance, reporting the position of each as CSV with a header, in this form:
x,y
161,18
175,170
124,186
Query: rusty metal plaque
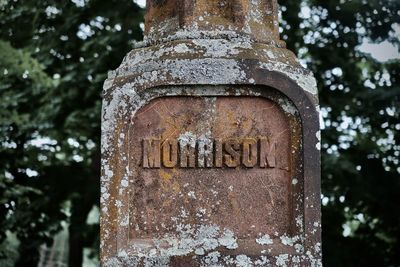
x,y
214,175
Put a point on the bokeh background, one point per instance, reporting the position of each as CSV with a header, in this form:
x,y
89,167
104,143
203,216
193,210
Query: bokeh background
x,y
55,55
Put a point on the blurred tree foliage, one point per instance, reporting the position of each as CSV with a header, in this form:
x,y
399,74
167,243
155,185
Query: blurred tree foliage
x,y
54,57
360,104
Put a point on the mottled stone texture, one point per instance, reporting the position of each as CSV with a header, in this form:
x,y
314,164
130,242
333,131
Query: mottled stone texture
x,y
257,19
210,143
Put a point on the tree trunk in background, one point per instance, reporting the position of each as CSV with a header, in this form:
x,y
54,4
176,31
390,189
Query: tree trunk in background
x,y
26,247
82,204
76,241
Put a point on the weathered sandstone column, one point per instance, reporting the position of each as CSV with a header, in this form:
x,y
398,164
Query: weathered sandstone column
x,y
210,143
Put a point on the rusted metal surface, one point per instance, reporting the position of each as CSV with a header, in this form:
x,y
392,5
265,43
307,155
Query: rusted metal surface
x,y
210,144
257,20
182,189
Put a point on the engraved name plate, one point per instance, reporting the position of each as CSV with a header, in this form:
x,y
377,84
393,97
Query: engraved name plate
x,y
219,168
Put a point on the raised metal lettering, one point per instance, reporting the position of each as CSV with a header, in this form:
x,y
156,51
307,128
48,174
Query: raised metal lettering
x,y
170,153
151,153
232,158
218,153
267,153
206,153
187,154
249,152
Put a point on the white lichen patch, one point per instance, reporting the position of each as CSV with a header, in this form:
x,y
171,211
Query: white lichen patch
x,y
316,227
243,261
265,240
318,146
299,222
181,48
299,248
192,195
221,48
270,54
262,261
317,247
282,260
124,183
305,80
290,241
211,259
200,239
287,106
187,139
318,135
228,240
199,251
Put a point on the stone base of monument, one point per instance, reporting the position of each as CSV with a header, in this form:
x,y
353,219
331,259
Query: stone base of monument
x,y
210,156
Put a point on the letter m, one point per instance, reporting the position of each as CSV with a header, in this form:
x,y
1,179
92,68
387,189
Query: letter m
x,y
151,153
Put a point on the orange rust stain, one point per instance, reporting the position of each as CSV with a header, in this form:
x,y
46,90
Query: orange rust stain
x,y
167,182
165,176
176,187
167,202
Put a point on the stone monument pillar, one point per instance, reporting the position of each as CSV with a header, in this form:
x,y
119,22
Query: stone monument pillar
x,y
210,143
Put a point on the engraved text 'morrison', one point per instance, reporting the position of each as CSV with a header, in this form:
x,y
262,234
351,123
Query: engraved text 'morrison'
x,y
209,153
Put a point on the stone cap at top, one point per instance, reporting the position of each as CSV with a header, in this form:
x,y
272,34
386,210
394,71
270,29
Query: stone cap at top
x,y
256,20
